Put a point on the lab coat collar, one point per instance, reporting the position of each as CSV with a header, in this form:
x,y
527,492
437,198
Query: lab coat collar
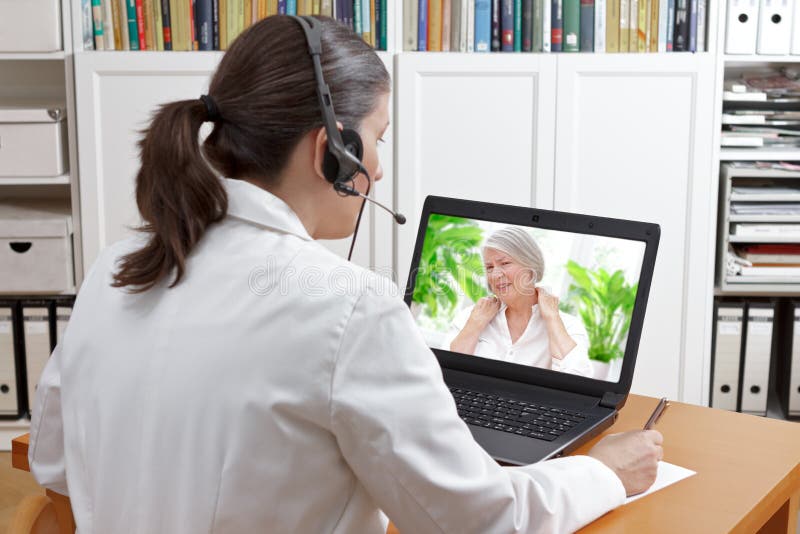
x,y
254,204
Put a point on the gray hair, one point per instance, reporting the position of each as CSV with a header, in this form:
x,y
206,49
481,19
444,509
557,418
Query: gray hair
x,y
521,246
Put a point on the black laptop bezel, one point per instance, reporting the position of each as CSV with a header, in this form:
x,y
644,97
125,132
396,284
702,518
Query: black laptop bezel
x,y
648,233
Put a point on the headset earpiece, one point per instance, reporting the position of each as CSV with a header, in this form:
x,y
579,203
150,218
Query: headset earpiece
x,y
330,162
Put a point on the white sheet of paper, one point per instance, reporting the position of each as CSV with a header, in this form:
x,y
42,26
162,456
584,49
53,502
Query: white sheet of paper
x,y
667,475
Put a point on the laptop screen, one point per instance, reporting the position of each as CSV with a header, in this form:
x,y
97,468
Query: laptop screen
x,y
552,299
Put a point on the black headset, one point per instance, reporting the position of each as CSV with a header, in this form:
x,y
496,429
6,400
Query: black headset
x,y
344,150
342,160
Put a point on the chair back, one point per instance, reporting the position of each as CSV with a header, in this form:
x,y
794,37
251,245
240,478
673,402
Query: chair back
x,y
36,514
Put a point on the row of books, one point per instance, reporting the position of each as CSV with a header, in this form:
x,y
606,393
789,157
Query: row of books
x,y
555,25
212,24
760,109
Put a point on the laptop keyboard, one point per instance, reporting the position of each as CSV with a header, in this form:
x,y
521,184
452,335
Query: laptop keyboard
x,y
515,417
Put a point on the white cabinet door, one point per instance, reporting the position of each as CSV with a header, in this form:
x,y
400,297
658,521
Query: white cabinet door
x,y
474,126
633,141
116,95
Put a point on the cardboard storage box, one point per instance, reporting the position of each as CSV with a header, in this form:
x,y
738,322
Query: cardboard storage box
x,y
33,141
35,248
30,26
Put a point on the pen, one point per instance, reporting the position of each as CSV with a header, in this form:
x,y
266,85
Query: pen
x,y
662,405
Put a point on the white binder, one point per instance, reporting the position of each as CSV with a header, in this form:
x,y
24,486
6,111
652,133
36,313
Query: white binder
x,y
774,27
62,318
728,323
757,353
796,31
9,406
790,371
36,328
742,27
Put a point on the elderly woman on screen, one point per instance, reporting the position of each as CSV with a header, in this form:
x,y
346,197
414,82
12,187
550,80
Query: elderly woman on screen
x,y
520,322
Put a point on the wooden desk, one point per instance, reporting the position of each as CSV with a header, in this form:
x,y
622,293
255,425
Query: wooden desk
x,y
748,473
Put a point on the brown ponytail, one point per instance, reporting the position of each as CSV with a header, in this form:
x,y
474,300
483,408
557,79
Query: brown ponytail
x,y
177,194
265,93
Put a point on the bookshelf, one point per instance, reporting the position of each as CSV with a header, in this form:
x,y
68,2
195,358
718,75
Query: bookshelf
x,y
44,78
742,287
493,127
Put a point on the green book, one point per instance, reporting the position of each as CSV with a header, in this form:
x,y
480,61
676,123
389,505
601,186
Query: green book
x,y
357,16
538,30
572,25
383,24
133,28
517,25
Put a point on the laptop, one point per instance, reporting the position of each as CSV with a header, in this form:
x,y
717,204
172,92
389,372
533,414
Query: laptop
x,y
531,390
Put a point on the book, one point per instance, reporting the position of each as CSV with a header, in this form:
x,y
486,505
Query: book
x,y
357,19
641,27
670,25
770,271
624,25
702,6
224,9
692,26
600,17
483,25
149,24
653,28
116,22
325,8
447,7
434,25
410,25
87,24
366,20
572,25
612,26
133,25
495,44
291,7
765,229
663,8
517,25
527,25
422,26
140,25
159,25
633,20
536,31
108,25
507,26
557,26
463,30
470,26
681,35
175,24
547,17
124,37
455,26
214,25
383,14
372,21
97,24
282,8
587,26
205,32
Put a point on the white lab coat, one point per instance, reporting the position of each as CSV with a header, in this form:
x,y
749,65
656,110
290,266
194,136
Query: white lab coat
x,y
277,388
533,346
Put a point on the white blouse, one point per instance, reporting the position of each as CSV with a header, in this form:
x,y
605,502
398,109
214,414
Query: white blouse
x,y
277,388
532,347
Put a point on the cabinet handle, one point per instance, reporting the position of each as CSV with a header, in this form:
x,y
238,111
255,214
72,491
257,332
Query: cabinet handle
x,y
20,246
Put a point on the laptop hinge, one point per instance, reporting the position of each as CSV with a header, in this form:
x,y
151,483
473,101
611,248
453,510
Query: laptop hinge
x,y
611,399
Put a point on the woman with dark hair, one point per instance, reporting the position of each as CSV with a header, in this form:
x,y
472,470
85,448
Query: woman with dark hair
x,y
224,372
